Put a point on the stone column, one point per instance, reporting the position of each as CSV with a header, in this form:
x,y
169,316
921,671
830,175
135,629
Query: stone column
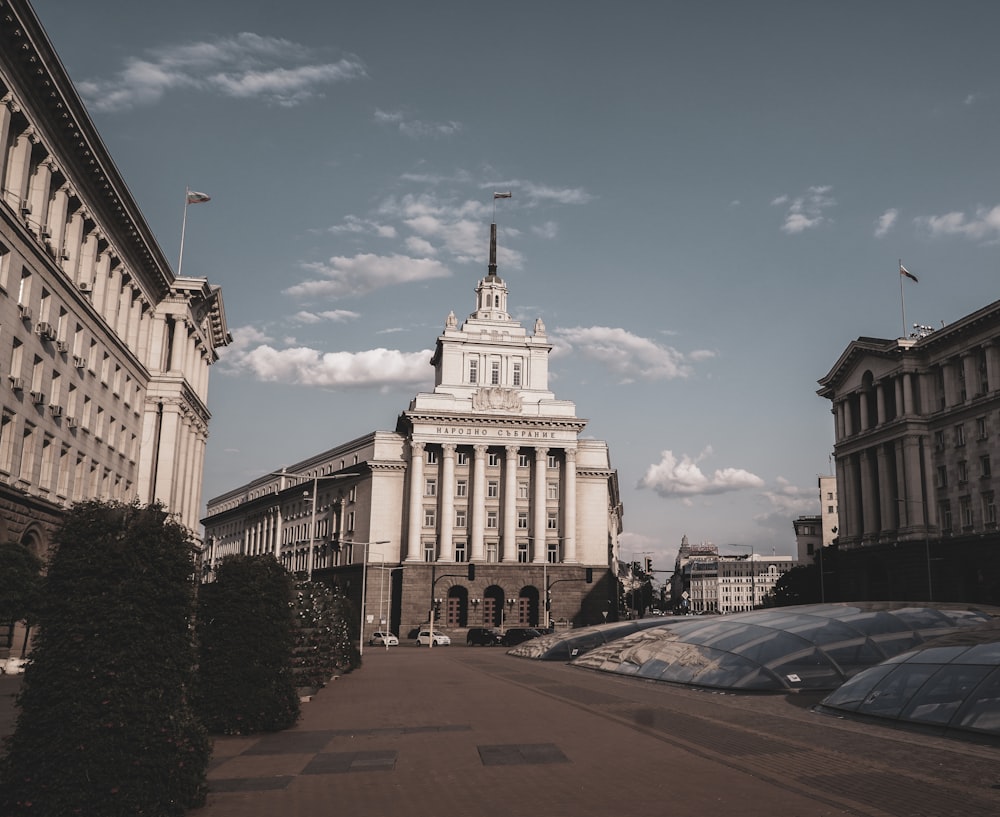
x,y
178,347
508,504
447,487
415,507
908,407
880,403
863,410
886,492
541,481
569,509
869,512
992,365
970,375
477,503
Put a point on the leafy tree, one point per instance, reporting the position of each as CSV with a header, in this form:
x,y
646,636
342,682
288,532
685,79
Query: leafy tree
x,y
105,724
323,645
246,636
20,579
800,585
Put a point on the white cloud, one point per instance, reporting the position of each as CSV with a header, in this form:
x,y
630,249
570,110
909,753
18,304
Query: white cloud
x,y
673,477
785,502
630,356
416,128
548,230
532,194
806,211
984,225
341,277
355,225
885,222
252,353
246,66
334,315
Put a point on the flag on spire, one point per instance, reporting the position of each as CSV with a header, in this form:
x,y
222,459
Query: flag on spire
x,y
194,197
904,271
506,195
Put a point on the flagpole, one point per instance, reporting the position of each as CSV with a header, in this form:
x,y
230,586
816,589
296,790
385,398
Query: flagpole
x,y
902,303
180,258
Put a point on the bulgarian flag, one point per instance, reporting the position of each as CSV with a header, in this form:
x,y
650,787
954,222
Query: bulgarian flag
x,y
904,271
194,197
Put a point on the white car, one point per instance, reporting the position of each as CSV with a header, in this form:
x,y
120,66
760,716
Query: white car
x,y
379,639
440,639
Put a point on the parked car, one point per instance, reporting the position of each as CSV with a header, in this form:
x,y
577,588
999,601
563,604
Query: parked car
x,y
483,637
515,635
440,639
379,639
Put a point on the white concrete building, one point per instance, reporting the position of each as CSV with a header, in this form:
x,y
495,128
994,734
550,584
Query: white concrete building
x,y
104,352
488,469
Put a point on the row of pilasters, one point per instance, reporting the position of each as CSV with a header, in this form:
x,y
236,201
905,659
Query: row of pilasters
x,y
444,533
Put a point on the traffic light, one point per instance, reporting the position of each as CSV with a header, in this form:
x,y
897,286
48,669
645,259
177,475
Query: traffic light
x,y
649,565
472,572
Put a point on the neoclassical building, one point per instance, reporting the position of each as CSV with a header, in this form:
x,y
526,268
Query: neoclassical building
x,y
104,351
917,429
488,471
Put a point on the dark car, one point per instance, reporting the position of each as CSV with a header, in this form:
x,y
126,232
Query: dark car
x,y
515,635
483,637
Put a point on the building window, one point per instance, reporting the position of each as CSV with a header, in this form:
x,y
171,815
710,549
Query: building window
x,y
493,459
942,476
989,510
462,487
552,461
523,460
960,435
963,472
430,487
493,489
965,505
981,428
473,371
516,374
830,509
432,457
461,554
552,521
463,458
522,552
522,490
552,553
522,520
984,466
491,519
829,495
429,517
460,517
944,512
495,373
939,440
429,551
552,490
491,552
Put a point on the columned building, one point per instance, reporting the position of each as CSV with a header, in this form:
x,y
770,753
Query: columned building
x,y
104,352
488,470
917,428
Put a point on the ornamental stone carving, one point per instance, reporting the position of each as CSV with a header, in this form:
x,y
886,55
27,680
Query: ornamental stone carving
x,y
496,398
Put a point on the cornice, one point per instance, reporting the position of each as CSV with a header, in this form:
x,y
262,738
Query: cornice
x,y
519,421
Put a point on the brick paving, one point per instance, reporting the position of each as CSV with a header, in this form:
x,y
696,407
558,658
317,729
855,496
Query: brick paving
x,y
477,733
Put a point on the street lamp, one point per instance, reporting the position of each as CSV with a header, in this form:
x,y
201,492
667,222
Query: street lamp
x,y
312,524
364,575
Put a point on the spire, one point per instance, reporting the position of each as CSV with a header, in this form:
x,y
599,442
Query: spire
x,y
493,249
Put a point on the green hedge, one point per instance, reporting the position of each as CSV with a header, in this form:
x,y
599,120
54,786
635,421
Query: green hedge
x,y
246,637
323,646
105,724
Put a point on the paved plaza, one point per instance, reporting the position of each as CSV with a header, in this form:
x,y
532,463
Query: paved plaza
x,y
473,732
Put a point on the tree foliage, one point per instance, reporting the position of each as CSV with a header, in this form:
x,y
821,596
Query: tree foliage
x,y
105,724
323,645
20,580
246,638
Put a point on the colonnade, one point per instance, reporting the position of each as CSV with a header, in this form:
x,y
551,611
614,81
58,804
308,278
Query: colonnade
x,y
442,536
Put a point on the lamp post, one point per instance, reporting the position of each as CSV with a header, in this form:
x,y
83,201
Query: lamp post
x,y
364,576
313,498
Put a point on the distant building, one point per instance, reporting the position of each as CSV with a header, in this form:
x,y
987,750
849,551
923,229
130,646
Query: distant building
x,y
917,428
489,472
734,584
104,352
808,537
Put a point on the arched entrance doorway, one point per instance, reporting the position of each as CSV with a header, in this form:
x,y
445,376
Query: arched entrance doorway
x,y
457,611
527,607
493,606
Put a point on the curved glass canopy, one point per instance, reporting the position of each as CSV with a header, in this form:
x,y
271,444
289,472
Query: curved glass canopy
x,y
949,685
789,648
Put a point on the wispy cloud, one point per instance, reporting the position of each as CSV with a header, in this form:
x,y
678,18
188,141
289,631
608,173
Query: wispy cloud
x,y
886,221
806,211
246,66
983,225
785,501
342,277
629,356
682,477
533,194
334,316
253,352
416,128
363,226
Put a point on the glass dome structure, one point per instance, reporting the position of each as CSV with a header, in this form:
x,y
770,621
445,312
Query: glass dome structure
x,y
951,685
815,647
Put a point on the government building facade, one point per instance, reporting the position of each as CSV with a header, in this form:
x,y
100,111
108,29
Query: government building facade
x,y
104,351
917,430
484,507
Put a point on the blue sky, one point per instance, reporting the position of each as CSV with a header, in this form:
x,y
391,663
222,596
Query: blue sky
x,y
710,201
